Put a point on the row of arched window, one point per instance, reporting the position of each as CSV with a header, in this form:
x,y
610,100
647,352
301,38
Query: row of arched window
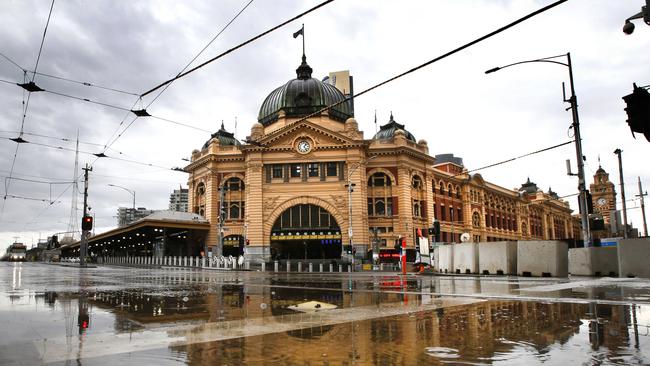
x,y
234,205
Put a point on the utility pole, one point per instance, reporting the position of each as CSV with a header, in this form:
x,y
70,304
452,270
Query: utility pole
x,y
83,246
620,175
222,218
640,195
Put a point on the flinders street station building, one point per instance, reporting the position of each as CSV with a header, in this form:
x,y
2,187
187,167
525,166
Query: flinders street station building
x,y
308,184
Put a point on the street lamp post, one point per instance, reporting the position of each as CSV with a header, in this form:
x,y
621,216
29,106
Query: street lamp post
x,y
133,194
222,218
350,186
573,100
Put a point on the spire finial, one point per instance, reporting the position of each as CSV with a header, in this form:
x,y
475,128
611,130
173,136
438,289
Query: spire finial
x,y
222,127
599,161
303,71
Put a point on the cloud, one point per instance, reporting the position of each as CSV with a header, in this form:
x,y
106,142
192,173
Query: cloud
x,y
452,103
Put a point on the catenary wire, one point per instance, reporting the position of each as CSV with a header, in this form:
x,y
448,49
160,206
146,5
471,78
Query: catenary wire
x,y
238,46
40,49
169,84
515,158
111,141
12,61
427,63
25,108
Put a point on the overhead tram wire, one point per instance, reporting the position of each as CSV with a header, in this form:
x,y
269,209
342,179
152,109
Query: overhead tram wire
x,y
84,83
436,59
515,158
238,47
110,143
65,139
130,111
200,52
12,61
61,148
25,108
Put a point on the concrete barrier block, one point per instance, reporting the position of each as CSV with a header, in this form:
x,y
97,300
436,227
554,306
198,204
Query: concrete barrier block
x,y
634,257
593,261
543,258
497,257
444,258
465,257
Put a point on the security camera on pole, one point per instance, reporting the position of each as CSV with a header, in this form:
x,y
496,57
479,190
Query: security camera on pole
x,y
644,14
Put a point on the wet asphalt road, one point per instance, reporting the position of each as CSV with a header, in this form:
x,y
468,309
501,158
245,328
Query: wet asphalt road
x,y
54,314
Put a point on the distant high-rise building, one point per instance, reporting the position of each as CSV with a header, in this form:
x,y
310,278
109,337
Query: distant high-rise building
x,y
178,200
127,215
343,81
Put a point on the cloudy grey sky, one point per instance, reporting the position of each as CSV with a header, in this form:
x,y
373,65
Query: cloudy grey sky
x,y
134,45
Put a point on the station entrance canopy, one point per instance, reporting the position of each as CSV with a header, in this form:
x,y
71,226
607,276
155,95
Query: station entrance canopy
x,y
163,233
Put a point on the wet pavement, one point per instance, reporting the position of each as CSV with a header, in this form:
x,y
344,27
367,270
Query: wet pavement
x,y
60,315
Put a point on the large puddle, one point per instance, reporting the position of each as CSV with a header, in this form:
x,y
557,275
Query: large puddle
x,y
110,316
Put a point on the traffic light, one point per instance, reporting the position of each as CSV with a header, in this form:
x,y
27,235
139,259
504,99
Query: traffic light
x,y
435,230
590,203
638,111
83,322
87,223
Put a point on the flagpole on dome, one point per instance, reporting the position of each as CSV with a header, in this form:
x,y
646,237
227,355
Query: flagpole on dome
x,y
301,32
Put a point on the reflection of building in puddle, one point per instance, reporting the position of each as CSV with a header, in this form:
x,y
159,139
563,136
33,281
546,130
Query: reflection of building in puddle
x,y
477,333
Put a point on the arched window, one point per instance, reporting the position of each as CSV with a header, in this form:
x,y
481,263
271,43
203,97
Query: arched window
x,y
417,212
234,199
449,190
416,182
476,220
380,197
458,192
379,180
199,199
234,184
234,211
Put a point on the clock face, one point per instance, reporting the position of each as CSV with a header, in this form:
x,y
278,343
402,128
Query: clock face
x,y
304,146
601,201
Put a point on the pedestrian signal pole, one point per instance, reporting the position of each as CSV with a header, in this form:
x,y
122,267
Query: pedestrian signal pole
x,y
83,245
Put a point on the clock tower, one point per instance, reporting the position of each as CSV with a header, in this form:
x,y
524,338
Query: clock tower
x,y
603,195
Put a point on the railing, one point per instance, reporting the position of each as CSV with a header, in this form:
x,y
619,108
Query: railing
x,y
237,263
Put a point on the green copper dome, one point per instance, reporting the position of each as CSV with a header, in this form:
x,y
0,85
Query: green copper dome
x,y
388,130
225,138
303,96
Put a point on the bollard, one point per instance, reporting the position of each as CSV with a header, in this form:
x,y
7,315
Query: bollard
x,y
247,265
331,267
381,266
263,266
184,261
320,267
203,262
276,266
234,264
340,268
288,266
299,266
349,268
311,267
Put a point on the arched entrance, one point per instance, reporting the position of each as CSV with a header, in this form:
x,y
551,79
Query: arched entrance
x,y
233,245
305,231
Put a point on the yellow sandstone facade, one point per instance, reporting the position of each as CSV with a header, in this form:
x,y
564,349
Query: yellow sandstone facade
x,y
287,190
